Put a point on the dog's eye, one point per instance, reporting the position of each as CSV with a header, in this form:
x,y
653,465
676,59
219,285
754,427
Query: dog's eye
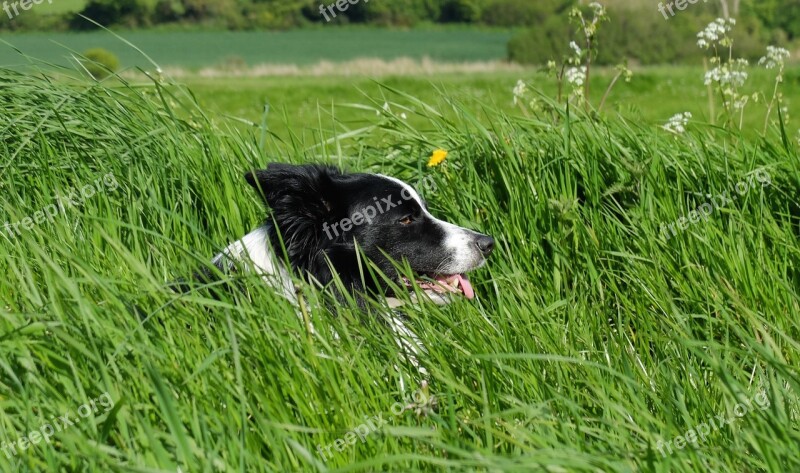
x,y
405,220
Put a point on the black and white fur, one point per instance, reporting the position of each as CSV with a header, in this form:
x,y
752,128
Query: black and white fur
x,y
307,199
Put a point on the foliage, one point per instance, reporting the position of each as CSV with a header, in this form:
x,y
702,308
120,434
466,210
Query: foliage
x,y
779,20
639,34
459,11
725,79
128,13
778,15
522,12
100,63
51,23
540,44
167,11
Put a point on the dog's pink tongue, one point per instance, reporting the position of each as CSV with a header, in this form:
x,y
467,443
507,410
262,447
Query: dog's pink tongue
x,y
465,286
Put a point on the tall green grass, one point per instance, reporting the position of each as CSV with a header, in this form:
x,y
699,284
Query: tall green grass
x,y
592,337
653,95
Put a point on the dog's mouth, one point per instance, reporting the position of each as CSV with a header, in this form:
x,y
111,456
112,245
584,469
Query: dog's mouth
x,y
444,284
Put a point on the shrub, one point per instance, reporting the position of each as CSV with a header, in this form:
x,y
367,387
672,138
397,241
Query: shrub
x,y
646,38
282,15
112,12
168,10
520,12
781,15
37,22
222,13
399,12
459,11
542,43
635,33
100,63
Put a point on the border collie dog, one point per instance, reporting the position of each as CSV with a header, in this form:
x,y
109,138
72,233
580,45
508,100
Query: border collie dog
x,y
322,217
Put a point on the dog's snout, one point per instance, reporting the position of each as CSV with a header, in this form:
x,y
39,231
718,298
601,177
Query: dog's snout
x,y
485,243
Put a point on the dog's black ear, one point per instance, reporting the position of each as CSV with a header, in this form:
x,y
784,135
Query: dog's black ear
x,y
296,186
300,198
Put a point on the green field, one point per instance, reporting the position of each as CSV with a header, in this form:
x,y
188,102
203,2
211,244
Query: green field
x,y
303,104
618,326
596,343
195,49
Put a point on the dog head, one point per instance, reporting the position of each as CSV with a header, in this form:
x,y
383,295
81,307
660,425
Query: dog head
x,y
322,216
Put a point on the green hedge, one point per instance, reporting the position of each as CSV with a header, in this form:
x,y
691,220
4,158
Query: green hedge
x,y
637,30
100,63
638,34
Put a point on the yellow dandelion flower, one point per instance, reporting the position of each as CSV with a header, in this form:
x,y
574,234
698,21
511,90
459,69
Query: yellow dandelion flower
x,y
437,157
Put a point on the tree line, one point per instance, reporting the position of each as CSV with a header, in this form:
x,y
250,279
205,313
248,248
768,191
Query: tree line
x,y
638,30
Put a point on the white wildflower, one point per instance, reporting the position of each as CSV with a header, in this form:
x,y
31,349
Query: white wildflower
x,y
677,124
715,32
576,76
775,57
519,90
724,76
576,48
597,6
599,9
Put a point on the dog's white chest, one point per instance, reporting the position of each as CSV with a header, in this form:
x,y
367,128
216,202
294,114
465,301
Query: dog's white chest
x,y
254,252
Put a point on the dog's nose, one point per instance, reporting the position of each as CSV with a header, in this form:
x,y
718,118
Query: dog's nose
x,y
485,244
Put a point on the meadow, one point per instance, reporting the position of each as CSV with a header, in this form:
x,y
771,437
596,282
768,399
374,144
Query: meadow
x,y
312,104
599,341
